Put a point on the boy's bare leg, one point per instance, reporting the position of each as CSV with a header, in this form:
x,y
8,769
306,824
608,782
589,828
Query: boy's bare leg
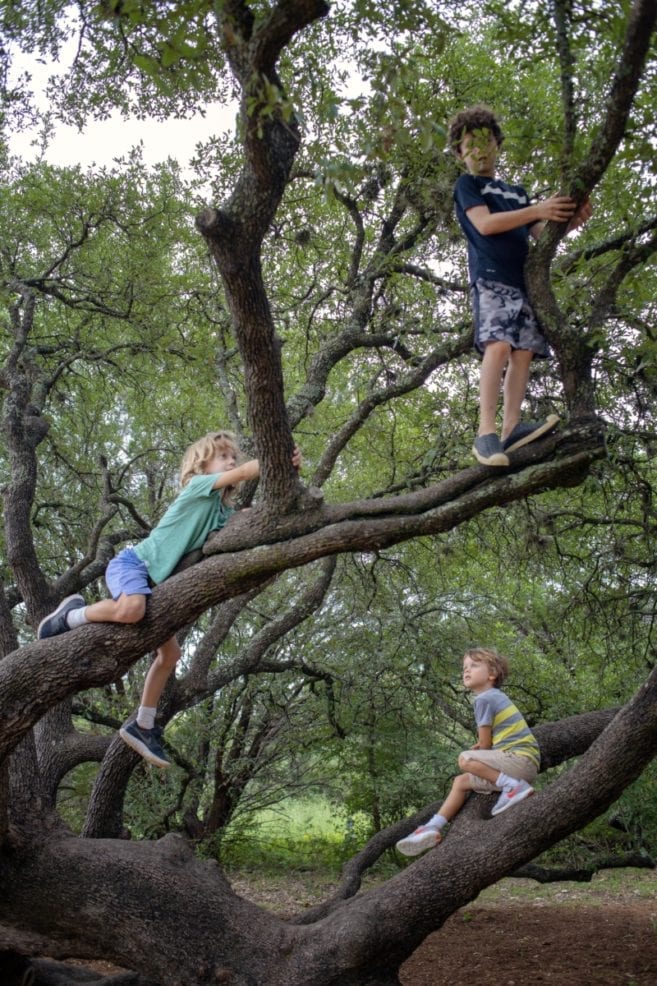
x,y
455,800
125,609
159,672
496,356
513,788
462,785
515,388
428,836
131,609
140,734
72,613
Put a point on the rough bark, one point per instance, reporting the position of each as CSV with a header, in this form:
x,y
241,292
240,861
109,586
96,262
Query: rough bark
x,y
234,232
584,874
123,890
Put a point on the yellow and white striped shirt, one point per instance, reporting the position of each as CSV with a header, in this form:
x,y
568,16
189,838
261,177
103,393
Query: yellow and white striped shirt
x,y
510,730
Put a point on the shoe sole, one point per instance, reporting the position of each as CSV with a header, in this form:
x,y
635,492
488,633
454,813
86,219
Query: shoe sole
x,y
51,616
496,459
428,841
548,425
515,801
142,749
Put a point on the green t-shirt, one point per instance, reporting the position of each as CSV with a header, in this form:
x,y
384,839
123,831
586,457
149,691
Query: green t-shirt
x,y
197,510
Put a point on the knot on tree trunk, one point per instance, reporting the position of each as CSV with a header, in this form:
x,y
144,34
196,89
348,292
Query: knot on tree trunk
x,y
216,225
176,849
36,428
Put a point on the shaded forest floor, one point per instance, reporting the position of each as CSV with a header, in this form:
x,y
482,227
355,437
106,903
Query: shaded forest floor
x,y
603,933
607,945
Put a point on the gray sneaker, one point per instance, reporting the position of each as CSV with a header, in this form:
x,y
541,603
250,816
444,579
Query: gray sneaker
x,y
55,623
511,796
529,431
146,742
488,450
415,843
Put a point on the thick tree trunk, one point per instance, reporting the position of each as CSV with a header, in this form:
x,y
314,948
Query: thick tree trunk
x,y
128,902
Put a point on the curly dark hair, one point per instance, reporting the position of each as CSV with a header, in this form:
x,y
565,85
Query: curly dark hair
x,y
479,117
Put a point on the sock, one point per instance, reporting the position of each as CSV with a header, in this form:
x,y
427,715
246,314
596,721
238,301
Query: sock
x,y
504,781
76,617
146,717
436,822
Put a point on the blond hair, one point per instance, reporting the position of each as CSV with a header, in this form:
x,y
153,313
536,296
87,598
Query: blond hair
x,y
199,453
497,664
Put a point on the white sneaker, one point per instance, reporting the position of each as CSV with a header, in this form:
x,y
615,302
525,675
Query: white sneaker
x,y
423,838
511,796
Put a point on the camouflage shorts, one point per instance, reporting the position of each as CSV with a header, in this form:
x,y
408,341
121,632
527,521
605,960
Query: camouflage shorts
x,y
502,313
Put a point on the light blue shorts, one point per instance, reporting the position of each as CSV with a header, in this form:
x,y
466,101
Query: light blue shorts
x,y
127,573
502,313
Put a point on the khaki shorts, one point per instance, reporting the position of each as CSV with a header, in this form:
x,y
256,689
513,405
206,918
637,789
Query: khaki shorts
x,y
522,768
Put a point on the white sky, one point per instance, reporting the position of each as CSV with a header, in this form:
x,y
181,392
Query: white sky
x,y
101,142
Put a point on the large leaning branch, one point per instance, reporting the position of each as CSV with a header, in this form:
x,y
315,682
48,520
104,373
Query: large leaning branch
x,y
37,676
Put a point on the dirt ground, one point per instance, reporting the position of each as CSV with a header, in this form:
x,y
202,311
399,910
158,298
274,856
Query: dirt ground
x,y
610,945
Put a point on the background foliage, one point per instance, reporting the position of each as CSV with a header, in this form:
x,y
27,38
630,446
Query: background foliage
x,y
131,357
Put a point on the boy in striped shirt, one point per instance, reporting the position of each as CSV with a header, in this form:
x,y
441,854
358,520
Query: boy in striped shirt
x,y
506,757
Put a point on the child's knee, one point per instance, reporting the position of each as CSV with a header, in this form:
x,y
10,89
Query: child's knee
x,y
463,782
169,652
464,761
497,353
130,609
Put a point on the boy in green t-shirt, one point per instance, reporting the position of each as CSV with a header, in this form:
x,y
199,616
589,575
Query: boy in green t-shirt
x,y
209,475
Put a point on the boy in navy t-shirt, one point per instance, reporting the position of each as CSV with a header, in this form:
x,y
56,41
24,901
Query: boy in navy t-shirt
x,y
497,220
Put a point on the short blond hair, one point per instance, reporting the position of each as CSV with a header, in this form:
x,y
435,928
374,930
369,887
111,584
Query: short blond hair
x,y
497,664
202,451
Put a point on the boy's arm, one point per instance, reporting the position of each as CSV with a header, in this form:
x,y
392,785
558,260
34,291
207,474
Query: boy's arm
x,y
248,470
240,474
485,734
583,213
558,208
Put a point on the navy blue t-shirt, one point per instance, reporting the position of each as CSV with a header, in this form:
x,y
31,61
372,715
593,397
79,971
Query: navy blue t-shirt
x,y
501,256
